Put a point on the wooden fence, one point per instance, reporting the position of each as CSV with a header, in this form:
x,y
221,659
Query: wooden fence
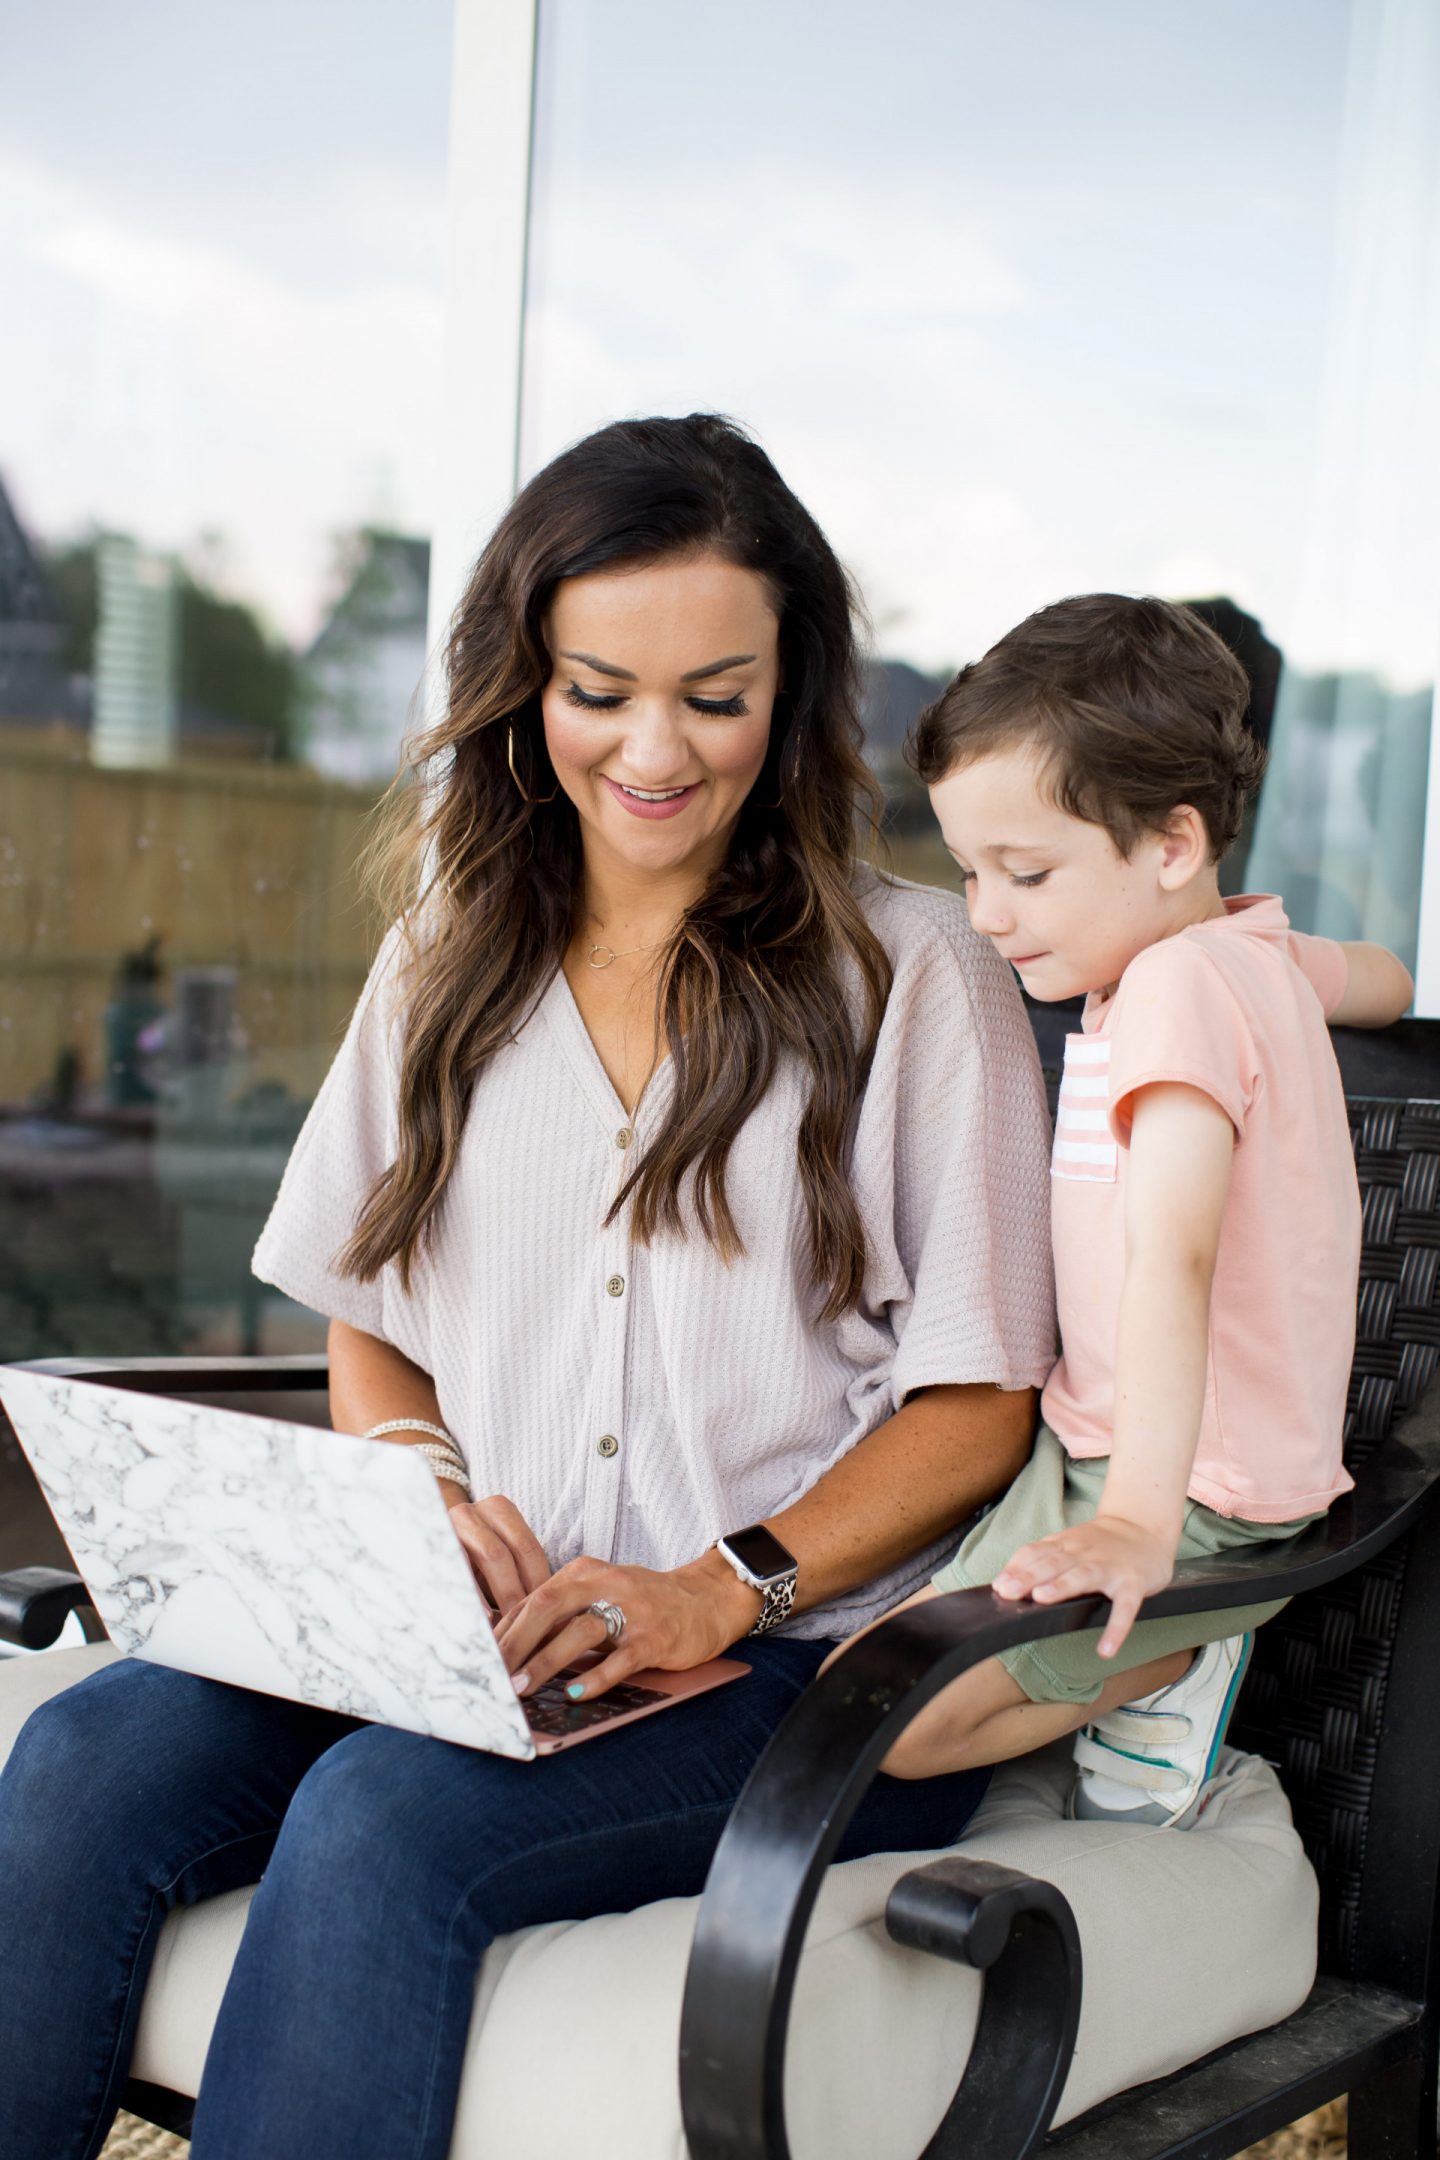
x,y
241,866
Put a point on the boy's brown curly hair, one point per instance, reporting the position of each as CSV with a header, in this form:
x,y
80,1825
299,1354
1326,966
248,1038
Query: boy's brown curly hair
x,y
1134,706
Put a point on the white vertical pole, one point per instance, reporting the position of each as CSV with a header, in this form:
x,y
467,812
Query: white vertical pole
x,y
1427,964
491,104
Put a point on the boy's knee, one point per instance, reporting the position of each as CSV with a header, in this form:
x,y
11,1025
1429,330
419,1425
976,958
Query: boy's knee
x,y
901,1762
921,1752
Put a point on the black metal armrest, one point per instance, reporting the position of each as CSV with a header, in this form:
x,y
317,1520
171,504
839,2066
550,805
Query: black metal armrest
x,y
182,1375
1021,1932
35,1603
772,1857
819,1763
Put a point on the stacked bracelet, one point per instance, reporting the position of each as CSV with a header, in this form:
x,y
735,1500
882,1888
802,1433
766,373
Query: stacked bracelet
x,y
447,1466
411,1424
445,1460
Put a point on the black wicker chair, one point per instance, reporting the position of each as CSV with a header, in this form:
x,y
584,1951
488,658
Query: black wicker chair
x,y
1339,1696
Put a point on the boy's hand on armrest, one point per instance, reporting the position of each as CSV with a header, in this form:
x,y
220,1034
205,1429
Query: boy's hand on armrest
x,y
1123,1559
1379,989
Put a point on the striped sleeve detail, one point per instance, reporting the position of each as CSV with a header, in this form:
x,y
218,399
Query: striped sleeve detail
x,y
1084,1145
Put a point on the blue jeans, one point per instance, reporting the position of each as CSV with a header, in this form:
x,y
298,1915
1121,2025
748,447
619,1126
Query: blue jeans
x,y
386,1862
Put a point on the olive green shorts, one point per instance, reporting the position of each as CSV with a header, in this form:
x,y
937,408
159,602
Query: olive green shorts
x,y
1054,1492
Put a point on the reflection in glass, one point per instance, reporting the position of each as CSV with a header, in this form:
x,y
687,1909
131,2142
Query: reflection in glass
x,y
1341,826
213,428
133,704
361,674
1037,300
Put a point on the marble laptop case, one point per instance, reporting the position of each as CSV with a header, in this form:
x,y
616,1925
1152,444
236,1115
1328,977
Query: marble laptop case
x,y
299,1562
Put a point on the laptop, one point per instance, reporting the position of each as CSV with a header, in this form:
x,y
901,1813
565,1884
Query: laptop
x,y
307,1564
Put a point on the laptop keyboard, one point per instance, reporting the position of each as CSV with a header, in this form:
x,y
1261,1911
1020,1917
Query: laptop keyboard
x,y
551,1712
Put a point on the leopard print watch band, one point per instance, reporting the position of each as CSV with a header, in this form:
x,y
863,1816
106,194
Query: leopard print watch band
x,y
779,1599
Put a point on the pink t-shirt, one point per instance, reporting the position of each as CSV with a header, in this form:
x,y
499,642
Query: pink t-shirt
x,y
1235,1007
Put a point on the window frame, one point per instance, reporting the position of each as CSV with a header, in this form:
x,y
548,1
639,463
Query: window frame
x,y
492,149
477,443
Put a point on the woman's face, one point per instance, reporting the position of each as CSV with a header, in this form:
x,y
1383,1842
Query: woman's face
x,y
657,711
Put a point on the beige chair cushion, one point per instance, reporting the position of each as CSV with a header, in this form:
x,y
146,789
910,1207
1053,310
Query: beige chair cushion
x,y
1190,1939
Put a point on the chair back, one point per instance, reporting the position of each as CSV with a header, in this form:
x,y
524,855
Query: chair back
x,y
1314,1700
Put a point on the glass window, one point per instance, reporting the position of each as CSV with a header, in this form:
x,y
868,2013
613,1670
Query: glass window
x,y
1036,300
222,246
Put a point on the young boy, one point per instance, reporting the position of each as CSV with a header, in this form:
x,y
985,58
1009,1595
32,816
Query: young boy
x,y
1089,774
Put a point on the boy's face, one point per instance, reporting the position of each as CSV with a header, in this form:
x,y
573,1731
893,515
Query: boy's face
x,y
1054,893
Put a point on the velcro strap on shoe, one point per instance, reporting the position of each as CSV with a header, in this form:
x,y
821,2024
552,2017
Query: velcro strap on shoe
x,y
1127,1769
1141,1728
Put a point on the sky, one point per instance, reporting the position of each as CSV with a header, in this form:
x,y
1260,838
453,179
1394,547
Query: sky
x,y
1023,300
222,253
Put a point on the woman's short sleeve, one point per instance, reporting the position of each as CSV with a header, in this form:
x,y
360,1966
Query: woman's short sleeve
x,y
347,1140
951,1160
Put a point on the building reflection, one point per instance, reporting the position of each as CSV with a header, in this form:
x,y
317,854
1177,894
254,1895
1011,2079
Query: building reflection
x,y
181,940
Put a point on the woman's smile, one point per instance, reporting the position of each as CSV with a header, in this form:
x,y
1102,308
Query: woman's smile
x,y
657,717
652,802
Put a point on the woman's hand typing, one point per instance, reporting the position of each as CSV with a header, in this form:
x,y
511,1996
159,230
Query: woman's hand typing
x,y
674,1619
507,1557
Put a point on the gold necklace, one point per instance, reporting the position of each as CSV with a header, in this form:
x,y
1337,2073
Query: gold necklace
x,y
611,956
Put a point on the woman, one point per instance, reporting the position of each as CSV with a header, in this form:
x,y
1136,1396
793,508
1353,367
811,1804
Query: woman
x,y
687,1178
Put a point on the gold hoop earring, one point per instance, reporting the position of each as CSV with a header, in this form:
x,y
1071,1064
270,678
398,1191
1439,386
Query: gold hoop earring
x,y
534,800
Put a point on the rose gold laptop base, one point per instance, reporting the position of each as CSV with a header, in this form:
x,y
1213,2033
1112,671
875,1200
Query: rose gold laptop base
x,y
558,1723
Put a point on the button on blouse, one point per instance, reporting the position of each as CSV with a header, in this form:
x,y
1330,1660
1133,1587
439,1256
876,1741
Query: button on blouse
x,y
635,1402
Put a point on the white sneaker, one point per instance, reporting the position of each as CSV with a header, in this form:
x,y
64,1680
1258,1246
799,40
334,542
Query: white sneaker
x,y
1150,1761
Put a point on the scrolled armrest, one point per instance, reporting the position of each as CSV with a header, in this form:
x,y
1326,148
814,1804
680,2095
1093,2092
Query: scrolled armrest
x,y
35,1603
1020,1931
787,1823
806,1786
968,1910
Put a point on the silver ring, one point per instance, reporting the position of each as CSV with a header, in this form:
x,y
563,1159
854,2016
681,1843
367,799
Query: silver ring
x,y
612,1616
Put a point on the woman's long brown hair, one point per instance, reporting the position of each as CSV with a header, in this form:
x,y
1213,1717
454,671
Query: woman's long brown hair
x,y
774,960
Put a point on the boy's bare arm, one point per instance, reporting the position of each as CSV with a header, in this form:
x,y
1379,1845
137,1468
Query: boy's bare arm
x,y
1378,991
1181,1149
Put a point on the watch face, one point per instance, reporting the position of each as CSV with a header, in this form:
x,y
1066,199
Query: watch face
x,y
759,1550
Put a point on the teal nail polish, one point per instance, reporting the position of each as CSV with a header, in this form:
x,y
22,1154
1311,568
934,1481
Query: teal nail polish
x,y
575,1690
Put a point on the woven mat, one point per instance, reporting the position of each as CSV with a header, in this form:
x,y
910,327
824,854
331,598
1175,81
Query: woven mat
x,y
1318,2137
134,2140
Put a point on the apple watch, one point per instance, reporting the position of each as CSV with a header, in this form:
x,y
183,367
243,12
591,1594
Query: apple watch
x,y
759,1558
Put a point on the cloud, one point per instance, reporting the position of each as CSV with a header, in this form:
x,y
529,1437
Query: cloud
x,y
342,363
169,386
